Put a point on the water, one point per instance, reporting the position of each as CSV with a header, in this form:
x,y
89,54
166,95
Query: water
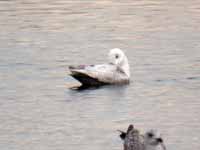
x,y
40,38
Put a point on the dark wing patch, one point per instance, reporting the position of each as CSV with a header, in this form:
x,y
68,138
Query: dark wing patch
x,y
86,80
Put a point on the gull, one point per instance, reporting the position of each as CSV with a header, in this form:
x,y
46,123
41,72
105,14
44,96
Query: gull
x,y
133,140
115,71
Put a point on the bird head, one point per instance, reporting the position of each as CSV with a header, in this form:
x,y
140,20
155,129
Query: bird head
x,y
117,57
153,139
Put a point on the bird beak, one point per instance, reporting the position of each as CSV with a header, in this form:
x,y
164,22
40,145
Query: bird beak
x,y
163,146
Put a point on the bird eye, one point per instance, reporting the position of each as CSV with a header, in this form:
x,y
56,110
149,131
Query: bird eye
x,y
150,135
116,56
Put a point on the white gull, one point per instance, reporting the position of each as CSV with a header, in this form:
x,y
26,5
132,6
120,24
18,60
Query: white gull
x,y
116,71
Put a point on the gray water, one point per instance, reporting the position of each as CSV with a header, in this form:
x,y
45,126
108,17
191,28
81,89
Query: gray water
x,y
40,38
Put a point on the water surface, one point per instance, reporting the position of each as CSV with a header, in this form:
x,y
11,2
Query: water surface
x,y
40,38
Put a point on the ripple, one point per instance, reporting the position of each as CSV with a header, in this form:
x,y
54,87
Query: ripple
x,y
193,78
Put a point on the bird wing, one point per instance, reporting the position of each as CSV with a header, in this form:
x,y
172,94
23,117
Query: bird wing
x,y
104,73
132,140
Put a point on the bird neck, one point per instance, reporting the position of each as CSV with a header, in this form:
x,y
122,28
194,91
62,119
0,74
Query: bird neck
x,y
125,67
